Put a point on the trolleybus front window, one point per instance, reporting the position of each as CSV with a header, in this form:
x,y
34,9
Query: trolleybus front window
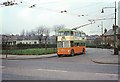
x,y
63,44
59,44
65,33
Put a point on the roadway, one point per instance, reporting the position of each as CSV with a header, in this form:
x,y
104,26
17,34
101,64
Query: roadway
x,y
79,67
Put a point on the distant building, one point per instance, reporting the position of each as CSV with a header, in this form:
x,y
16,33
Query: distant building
x,y
52,39
109,37
16,39
28,42
0,39
9,39
119,23
119,13
91,39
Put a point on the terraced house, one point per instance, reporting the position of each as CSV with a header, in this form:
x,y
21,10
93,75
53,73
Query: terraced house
x,y
17,39
109,35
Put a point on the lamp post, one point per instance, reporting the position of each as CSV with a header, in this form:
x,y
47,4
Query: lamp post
x,y
114,26
101,31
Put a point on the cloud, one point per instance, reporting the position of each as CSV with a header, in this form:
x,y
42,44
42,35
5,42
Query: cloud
x,y
48,13
25,14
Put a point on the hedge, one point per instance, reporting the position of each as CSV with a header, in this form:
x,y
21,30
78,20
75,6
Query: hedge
x,y
34,51
27,46
98,46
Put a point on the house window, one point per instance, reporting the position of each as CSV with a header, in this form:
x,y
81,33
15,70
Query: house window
x,y
14,42
20,42
35,42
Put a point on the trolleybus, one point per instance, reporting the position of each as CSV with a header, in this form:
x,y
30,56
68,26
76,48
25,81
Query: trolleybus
x,y
70,42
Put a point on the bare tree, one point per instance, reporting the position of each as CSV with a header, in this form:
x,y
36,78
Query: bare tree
x,y
46,32
56,28
23,34
32,33
28,35
40,31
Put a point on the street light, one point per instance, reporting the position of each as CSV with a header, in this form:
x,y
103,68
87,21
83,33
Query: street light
x,y
101,31
115,26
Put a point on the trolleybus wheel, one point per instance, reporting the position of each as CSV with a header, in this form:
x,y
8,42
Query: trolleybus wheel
x,y
59,55
72,52
83,51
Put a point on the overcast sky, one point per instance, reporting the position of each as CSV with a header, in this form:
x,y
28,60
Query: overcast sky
x,y
47,12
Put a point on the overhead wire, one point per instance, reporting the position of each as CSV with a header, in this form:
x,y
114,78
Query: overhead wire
x,y
98,3
59,11
31,5
49,9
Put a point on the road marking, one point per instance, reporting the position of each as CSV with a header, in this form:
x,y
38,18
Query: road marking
x,y
110,64
52,70
2,67
116,75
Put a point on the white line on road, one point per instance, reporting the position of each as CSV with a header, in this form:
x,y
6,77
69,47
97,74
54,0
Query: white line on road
x,y
52,70
1,67
116,75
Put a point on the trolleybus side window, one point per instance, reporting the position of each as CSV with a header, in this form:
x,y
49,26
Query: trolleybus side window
x,y
59,44
82,34
66,44
81,44
76,44
71,33
72,43
79,34
63,44
66,33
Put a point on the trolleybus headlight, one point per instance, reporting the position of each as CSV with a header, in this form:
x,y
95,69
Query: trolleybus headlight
x,y
68,50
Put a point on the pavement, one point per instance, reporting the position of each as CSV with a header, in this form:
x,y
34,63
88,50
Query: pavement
x,y
25,57
109,59
102,59
106,56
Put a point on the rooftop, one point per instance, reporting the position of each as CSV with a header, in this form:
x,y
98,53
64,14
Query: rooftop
x,y
111,31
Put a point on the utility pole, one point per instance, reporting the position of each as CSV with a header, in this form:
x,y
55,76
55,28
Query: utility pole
x,y
102,32
101,27
114,28
115,41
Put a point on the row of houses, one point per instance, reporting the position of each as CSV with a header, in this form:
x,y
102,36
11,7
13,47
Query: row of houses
x,y
109,37
106,38
17,39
